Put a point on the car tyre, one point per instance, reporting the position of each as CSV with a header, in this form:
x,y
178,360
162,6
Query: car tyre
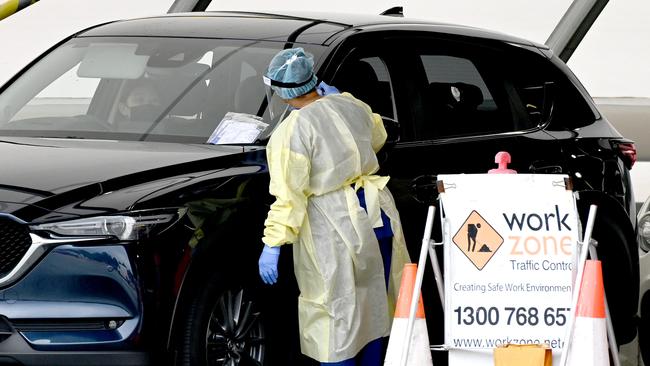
x,y
222,328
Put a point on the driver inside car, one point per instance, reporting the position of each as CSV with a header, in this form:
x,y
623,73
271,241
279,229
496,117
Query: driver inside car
x,y
143,103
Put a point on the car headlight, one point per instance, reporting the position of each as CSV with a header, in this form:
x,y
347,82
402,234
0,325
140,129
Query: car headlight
x,y
134,225
644,232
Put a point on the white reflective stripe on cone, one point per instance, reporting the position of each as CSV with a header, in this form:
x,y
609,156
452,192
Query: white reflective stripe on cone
x,y
419,352
589,345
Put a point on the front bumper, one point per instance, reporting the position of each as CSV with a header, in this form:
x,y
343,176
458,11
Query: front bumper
x,y
14,350
78,305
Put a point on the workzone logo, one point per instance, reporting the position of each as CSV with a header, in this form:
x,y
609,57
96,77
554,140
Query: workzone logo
x,y
478,240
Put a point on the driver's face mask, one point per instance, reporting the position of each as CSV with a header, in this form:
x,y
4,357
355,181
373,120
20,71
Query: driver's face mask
x,y
142,104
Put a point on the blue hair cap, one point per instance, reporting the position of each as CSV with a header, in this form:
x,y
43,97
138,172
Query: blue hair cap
x,y
292,66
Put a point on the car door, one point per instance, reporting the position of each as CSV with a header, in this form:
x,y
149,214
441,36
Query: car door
x,y
458,102
466,103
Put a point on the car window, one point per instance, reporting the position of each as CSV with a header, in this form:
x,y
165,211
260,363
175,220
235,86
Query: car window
x,y
77,99
139,88
547,93
366,76
449,70
463,94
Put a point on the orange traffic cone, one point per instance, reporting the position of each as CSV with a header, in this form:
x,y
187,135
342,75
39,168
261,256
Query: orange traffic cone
x,y
419,352
589,341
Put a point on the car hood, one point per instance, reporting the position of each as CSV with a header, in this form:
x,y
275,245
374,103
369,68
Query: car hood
x,y
37,169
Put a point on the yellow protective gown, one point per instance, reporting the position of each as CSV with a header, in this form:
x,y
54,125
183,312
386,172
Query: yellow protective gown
x,y
317,157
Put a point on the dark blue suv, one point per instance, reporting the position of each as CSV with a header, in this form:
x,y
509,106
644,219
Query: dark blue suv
x,y
127,239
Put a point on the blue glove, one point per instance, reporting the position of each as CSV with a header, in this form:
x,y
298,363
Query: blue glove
x,y
323,89
268,264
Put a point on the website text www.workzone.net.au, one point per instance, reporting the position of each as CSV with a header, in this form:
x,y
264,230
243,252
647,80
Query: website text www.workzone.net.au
x,y
556,343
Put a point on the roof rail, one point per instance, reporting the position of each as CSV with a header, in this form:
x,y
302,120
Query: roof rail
x,y
181,6
395,11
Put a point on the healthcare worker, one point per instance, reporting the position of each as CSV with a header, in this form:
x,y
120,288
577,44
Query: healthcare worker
x,y
322,161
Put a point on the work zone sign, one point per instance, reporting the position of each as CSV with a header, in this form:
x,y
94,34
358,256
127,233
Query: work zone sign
x,y
509,243
465,239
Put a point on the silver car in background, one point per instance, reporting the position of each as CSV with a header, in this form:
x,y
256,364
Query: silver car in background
x,y
644,275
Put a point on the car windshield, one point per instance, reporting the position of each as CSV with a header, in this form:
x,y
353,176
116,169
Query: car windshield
x,y
144,89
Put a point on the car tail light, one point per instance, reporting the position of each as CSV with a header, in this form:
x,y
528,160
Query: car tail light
x,y
628,153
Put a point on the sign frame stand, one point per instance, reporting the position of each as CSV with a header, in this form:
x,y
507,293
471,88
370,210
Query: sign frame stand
x,y
610,327
428,247
582,255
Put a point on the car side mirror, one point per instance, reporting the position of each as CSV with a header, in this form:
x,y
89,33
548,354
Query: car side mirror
x,y
392,130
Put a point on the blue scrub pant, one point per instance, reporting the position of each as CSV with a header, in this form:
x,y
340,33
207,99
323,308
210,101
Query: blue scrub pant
x,y
384,235
372,353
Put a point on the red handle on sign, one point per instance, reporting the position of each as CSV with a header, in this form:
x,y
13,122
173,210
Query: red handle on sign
x,y
503,159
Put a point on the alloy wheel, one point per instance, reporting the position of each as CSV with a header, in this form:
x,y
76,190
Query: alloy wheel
x,y
235,334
